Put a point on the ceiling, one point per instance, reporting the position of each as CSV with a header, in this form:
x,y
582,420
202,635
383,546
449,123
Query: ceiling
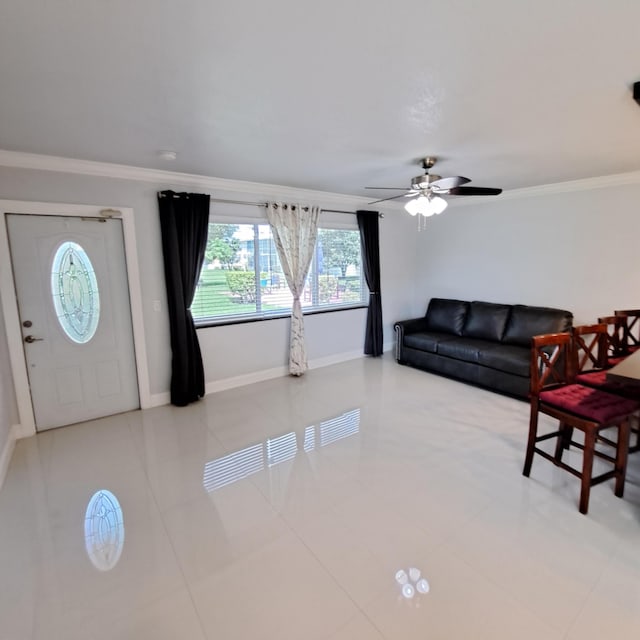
x,y
333,95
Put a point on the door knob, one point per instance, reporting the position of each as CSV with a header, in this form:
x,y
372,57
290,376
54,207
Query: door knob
x,y
30,339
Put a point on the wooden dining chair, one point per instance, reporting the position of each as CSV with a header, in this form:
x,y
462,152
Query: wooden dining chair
x,y
631,327
576,407
618,349
591,346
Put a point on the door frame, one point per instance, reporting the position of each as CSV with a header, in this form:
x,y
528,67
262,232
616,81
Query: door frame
x,y
27,424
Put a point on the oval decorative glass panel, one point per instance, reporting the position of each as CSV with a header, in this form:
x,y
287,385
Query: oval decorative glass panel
x,y
75,292
104,530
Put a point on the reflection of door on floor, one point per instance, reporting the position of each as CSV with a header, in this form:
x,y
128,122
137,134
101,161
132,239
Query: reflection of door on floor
x,y
73,301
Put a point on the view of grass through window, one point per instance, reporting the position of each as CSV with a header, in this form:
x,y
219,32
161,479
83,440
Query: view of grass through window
x,y
242,277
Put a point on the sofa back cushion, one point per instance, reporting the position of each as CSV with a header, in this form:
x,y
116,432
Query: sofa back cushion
x,y
486,320
526,322
447,315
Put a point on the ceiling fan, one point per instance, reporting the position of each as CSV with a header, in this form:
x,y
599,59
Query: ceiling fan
x,y
427,189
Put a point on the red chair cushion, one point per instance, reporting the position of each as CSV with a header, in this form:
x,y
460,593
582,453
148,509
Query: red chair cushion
x,y
598,380
589,403
593,378
614,361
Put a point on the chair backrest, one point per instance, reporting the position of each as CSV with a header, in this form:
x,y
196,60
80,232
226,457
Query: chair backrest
x,y
631,327
550,361
589,347
617,338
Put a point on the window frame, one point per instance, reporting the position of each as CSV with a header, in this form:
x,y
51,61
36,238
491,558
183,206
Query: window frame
x,y
325,222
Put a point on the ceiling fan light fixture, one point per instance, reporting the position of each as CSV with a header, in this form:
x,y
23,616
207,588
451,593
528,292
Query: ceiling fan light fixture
x,y
413,206
438,204
426,205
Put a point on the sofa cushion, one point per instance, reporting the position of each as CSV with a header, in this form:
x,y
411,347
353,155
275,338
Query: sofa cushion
x,y
466,349
426,340
506,357
447,315
526,322
486,320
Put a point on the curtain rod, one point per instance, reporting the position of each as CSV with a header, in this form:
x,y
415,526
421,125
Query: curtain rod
x,y
264,204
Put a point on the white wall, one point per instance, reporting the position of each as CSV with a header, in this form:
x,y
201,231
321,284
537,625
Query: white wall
x,y
8,406
237,351
576,250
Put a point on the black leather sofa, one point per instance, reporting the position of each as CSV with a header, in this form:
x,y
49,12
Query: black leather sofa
x,y
483,343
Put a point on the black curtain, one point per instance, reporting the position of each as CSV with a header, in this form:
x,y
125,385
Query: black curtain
x,y
184,220
370,243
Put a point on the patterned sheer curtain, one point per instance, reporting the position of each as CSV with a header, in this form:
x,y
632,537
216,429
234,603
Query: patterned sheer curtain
x,y
295,229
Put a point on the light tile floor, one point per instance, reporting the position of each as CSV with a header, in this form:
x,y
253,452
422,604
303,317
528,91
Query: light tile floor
x,y
283,510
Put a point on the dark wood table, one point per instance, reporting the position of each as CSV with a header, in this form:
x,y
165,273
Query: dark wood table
x,y
627,372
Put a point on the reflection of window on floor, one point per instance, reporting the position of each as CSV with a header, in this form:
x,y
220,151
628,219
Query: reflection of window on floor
x,y
281,448
341,427
309,439
235,466
223,471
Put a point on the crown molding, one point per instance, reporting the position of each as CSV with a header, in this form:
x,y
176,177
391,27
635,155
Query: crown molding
x,y
174,179
260,191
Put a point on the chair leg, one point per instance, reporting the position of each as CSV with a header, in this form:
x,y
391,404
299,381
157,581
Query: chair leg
x,y
564,440
568,435
634,428
561,441
587,469
531,442
621,457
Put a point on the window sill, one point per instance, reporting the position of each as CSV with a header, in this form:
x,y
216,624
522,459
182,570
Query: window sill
x,y
205,324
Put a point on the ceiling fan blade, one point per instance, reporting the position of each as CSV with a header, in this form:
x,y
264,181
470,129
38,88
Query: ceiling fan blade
x,y
449,183
402,195
389,188
474,191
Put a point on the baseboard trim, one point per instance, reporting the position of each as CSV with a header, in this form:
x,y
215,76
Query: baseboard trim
x,y
7,452
224,384
240,381
158,400
335,359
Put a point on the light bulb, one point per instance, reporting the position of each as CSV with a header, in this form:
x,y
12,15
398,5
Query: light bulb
x,y
412,207
414,574
438,204
424,206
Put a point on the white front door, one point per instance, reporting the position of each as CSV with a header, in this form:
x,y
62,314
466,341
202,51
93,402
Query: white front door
x,y
73,301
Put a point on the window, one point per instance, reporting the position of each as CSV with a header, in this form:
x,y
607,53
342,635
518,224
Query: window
x,y
242,278
74,289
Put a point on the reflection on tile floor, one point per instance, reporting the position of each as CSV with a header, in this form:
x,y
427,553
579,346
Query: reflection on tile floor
x,y
295,508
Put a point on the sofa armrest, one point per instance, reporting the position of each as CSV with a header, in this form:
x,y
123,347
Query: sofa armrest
x,y
411,326
405,327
